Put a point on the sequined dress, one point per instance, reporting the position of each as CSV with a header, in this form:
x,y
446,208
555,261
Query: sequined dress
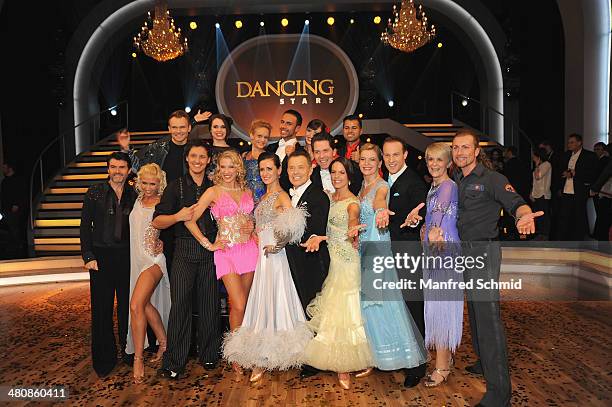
x,y
443,308
145,251
253,179
240,255
340,344
273,333
394,338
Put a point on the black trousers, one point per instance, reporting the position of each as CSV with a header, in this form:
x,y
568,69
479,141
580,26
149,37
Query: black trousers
x,y
112,279
543,222
572,220
603,207
488,337
192,268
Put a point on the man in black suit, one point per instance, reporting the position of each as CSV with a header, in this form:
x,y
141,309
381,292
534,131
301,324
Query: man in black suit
x,y
290,124
308,269
407,191
324,153
580,167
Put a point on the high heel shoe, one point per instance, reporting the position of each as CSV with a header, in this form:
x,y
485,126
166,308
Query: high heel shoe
x,y
138,378
344,379
160,351
364,373
256,375
443,373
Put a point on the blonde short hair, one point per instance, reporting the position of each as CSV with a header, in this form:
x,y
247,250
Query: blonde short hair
x,y
257,124
373,147
237,161
439,150
152,170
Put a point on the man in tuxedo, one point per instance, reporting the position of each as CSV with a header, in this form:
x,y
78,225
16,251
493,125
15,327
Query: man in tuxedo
x,y
580,167
290,124
324,153
308,270
407,191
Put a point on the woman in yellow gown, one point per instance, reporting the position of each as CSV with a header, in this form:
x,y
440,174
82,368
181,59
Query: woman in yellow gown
x,y
340,344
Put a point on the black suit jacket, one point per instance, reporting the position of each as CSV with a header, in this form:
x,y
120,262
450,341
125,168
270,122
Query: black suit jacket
x,y
356,180
407,192
284,178
586,172
309,270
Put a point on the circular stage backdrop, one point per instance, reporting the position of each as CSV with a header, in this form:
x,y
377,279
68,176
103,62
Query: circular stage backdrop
x,y
269,74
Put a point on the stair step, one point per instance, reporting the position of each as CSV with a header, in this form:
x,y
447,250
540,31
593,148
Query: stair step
x,y
54,249
62,191
93,164
57,240
82,177
63,198
132,142
58,214
57,232
54,223
61,205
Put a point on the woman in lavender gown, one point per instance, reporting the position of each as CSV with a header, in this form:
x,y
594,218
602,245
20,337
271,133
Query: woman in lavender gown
x,y
443,308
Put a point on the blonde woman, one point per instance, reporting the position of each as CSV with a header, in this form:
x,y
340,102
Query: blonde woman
x,y
235,250
149,284
260,135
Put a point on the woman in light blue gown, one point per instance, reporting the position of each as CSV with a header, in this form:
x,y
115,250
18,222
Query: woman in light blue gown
x,y
394,339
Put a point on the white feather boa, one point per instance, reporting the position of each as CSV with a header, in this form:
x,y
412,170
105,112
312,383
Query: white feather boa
x,y
290,224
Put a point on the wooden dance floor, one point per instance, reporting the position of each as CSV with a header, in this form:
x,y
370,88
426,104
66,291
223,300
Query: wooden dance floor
x,y
560,355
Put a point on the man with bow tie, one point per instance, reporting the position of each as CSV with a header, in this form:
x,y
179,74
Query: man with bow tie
x,y
308,268
407,190
290,124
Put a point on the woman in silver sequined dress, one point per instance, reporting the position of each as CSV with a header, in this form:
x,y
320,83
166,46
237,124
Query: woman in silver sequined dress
x,y
149,284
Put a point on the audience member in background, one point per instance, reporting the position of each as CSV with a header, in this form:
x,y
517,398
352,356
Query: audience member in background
x,y
324,153
220,128
314,126
497,159
290,124
540,192
601,191
260,134
14,208
351,131
580,167
105,248
517,172
603,157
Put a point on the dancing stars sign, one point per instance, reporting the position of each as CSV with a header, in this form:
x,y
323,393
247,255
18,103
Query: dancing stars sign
x,y
269,74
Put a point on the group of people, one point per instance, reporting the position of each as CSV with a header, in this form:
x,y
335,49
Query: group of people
x,y
284,227
561,185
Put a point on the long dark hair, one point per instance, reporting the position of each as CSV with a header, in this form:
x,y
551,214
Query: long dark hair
x,y
225,119
346,163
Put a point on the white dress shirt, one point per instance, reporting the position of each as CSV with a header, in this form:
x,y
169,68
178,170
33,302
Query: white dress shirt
x,y
296,194
568,188
541,181
394,177
282,144
326,181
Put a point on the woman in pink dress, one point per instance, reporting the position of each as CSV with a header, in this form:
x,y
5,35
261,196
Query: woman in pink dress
x,y
235,250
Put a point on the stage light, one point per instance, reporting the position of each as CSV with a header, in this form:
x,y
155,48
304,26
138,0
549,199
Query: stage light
x,y
360,115
134,55
330,20
1,216
241,143
193,25
261,23
284,22
352,21
217,25
306,22
113,112
368,140
377,20
508,94
187,109
439,45
464,102
420,157
238,24
391,103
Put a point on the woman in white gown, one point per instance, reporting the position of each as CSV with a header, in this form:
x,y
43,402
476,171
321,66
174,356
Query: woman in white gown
x,y
273,333
149,284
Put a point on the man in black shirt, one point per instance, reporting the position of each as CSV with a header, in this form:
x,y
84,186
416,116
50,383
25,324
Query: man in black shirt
x,y
482,193
192,267
105,247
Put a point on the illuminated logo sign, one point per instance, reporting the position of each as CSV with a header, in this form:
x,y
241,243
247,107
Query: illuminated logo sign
x,y
269,74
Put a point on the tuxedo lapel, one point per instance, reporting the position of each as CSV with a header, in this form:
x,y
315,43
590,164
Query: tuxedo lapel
x,y
305,194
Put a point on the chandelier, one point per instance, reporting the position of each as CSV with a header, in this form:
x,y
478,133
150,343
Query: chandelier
x,y
409,30
159,38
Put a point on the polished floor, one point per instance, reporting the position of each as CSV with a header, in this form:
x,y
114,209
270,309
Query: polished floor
x,y
561,355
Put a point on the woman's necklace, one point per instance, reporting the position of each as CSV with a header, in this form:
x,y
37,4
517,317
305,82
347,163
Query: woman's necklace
x,y
367,184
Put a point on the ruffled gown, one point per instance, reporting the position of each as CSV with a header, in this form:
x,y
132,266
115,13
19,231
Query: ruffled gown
x,y
273,333
394,338
145,251
340,344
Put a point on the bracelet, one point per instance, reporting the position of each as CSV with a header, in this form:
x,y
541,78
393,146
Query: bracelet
x,y
379,210
207,245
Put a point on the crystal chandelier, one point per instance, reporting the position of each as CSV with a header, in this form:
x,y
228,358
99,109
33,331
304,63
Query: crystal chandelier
x,y
409,30
159,38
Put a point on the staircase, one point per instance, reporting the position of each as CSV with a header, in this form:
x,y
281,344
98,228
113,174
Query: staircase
x,y
57,217
444,132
